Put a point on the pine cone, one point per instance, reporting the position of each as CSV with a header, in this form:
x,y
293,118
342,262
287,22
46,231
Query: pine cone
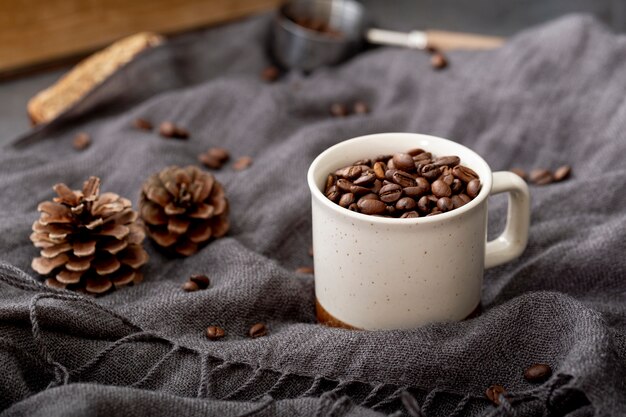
x,y
183,208
88,241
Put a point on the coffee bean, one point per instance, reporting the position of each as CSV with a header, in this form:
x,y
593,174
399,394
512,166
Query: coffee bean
x,y
190,286
215,332
405,203
377,186
404,162
538,372
365,179
372,206
258,330
350,172
142,124
409,215
445,204
346,200
438,61
466,199
464,173
170,130
201,280
330,181
391,210
540,176
457,186
338,110
431,172
441,189
450,161
389,173
417,191
562,173
357,189
210,161
415,151
379,170
304,270
404,179
424,204
270,74
333,194
494,392
519,172
353,207
447,178
370,196
473,188
81,141
365,161
361,108
422,156
457,201
219,153
344,185
242,163
434,212
390,193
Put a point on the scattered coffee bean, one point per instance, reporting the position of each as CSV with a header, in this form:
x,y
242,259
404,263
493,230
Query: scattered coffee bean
x,y
215,332
361,108
170,130
258,330
242,163
519,172
562,173
538,372
142,124
473,188
190,286
304,270
270,74
494,392
338,110
539,176
81,141
201,280
214,158
438,61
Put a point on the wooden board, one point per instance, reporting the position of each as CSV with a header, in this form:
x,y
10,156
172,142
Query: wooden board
x,y
36,31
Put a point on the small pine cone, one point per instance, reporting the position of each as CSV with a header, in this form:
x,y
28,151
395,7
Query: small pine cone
x,y
89,241
183,208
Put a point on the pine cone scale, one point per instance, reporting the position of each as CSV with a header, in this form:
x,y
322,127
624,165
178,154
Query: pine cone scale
x,y
81,249
46,265
54,251
68,277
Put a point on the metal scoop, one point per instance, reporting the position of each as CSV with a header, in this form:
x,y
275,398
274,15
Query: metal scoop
x,y
308,34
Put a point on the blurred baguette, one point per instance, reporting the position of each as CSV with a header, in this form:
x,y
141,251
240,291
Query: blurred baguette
x,y
86,75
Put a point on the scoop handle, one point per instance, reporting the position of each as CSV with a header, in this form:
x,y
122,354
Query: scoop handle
x,y
438,39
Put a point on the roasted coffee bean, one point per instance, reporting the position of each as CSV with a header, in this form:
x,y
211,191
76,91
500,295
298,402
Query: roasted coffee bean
x,y
242,163
270,74
447,178
389,173
473,188
441,189
417,191
430,172
167,129
376,186
540,176
519,172
445,204
338,110
464,173
390,193
330,181
379,170
381,158
190,286
537,372
562,173
201,280
258,330
333,194
210,161
350,172
434,212
438,61
457,186
423,156
370,196
344,185
391,164
219,153
404,162
403,179
304,270
494,392
346,200
365,179
81,141
353,207
357,189
457,201
391,210
142,124
424,204
409,215
372,206
415,151
364,161
405,203
361,108
215,332
466,199
449,161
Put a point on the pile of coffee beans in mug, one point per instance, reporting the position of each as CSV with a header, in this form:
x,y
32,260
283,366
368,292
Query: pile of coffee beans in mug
x,y
411,184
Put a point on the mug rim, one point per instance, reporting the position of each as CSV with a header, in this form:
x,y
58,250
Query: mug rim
x,y
319,195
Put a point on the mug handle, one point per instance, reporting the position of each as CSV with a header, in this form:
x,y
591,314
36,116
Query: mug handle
x,y
512,242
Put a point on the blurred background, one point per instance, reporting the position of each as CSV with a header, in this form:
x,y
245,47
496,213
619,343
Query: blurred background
x,y
39,41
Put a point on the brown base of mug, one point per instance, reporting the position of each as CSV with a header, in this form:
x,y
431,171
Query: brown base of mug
x,y
327,319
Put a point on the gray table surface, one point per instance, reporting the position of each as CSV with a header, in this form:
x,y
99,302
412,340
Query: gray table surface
x,y
495,17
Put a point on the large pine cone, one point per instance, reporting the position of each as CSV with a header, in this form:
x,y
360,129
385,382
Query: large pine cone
x,y
88,241
183,208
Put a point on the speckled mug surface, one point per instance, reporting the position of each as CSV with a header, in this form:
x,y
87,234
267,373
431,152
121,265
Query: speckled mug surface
x,y
391,273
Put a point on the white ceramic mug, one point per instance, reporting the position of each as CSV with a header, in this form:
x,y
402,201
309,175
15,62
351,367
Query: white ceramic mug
x,y
390,273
